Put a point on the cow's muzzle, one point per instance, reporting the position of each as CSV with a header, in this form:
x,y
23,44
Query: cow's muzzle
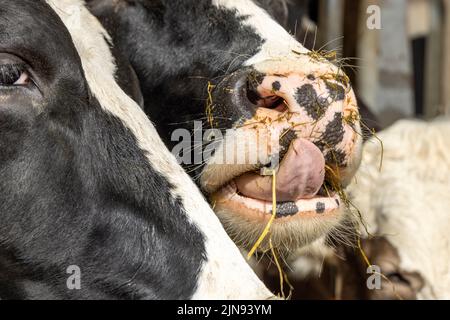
x,y
303,127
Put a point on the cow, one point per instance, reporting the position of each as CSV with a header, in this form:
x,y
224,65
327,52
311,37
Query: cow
x,y
227,65
405,204
92,204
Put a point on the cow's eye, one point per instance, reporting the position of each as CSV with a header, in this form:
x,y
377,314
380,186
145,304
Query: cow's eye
x,y
13,71
13,74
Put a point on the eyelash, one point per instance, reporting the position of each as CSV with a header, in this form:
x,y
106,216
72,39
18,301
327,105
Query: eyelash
x,y
11,73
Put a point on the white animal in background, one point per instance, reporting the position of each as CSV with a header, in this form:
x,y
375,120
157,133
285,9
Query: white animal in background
x,y
407,203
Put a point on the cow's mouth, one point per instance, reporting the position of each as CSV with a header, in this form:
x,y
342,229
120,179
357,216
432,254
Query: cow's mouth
x,y
303,190
319,206
308,204
297,222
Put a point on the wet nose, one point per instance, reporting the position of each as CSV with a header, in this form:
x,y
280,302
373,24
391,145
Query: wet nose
x,y
309,95
274,107
237,97
319,107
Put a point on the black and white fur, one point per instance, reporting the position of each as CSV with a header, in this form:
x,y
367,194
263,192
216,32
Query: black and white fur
x,y
86,180
177,48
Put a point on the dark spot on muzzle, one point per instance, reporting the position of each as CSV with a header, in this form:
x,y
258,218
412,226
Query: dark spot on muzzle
x,y
276,86
286,209
333,135
314,105
285,141
320,207
336,157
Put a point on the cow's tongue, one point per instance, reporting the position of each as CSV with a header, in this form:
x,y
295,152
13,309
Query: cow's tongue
x,y
300,176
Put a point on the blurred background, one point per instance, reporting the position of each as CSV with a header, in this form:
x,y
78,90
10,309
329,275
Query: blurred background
x,y
397,55
398,67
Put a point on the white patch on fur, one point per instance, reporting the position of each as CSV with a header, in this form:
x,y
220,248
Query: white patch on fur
x,y
225,275
408,201
281,53
278,42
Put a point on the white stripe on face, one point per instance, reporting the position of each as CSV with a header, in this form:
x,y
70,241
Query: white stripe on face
x,y
225,275
278,42
281,53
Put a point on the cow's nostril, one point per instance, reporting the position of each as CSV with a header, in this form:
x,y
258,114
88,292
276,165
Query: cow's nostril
x,y
252,94
273,102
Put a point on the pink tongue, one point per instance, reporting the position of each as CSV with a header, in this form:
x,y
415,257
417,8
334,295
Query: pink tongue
x,y
300,176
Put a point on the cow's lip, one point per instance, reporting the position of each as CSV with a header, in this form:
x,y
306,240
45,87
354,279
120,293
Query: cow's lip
x,y
319,206
301,186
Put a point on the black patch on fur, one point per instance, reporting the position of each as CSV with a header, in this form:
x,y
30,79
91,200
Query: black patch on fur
x,y
176,59
311,77
307,98
75,187
178,48
334,133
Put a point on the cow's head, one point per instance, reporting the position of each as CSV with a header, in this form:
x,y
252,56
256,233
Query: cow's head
x,y
229,65
87,186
